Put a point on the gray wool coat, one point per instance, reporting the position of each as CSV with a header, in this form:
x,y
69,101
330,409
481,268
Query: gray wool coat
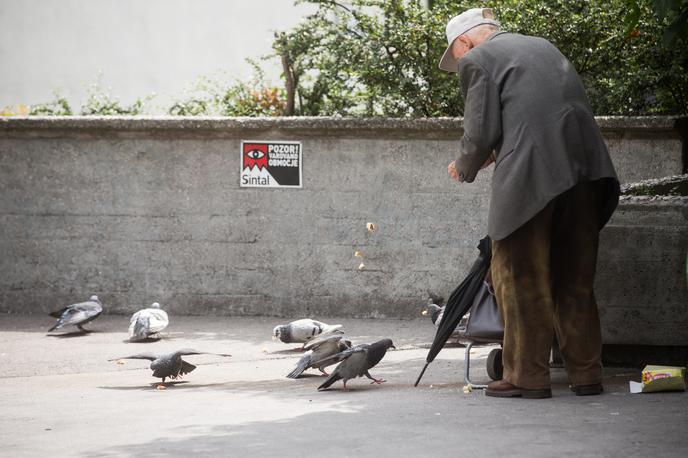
x,y
525,101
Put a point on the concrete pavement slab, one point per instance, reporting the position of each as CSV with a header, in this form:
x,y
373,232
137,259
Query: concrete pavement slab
x,y
60,396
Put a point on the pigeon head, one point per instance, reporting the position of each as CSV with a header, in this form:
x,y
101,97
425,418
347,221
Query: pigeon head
x,y
433,310
434,299
386,343
277,332
94,298
155,305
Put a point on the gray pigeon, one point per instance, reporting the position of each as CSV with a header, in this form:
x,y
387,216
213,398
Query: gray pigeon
x,y
301,331
147,323
78,314
356,361
319,349
435,309
171,364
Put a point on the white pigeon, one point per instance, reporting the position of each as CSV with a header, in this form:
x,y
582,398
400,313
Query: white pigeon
x,y
301,331
147,323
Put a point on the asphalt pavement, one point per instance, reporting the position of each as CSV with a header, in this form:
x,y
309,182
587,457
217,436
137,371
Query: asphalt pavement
x,y
61,396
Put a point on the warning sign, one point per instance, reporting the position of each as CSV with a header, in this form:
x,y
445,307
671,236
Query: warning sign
x,y
273,164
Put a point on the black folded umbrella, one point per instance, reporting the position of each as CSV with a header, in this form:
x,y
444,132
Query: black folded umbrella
x,y
460,301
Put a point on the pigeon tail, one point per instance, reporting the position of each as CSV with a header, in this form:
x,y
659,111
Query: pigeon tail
x,y
334,376
57,325
186,368
141,328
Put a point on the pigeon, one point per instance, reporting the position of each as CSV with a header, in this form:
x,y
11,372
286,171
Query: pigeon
x,y
435,308
319,349
78,314
147,323
356,361
301,331
171,364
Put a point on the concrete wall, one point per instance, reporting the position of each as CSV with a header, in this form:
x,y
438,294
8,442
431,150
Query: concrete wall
x,y
641,274
143,210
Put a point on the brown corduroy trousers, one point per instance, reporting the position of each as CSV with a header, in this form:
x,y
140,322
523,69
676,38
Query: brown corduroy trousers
x,y
543,275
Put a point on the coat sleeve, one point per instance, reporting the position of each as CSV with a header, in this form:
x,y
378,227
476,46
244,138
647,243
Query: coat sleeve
x,y
482,122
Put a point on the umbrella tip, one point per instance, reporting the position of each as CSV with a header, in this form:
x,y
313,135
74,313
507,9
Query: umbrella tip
x,y
420,376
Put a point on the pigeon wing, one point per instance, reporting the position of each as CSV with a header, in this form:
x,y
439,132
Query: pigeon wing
x,y
148,356
71,316
352,366
58,313
302,365
329,329
342,355
158,320
318,341
190,351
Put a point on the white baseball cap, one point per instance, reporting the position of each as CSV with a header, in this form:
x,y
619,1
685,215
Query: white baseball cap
x,y
457,26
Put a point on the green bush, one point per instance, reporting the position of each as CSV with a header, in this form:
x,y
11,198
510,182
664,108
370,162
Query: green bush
x,y
379,57
59,106
98,103
215,97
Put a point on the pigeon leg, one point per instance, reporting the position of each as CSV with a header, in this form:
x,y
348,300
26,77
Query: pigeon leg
x,y
345,388
324,374
82,329
377,381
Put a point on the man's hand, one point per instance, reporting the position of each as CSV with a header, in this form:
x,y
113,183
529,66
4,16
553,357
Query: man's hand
x,y
451,170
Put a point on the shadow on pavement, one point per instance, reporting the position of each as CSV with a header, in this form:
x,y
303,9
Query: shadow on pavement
x,y
67,335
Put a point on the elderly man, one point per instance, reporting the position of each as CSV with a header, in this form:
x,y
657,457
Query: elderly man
x,y
553,188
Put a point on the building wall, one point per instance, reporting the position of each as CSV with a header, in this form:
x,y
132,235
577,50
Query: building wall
x,y
143,210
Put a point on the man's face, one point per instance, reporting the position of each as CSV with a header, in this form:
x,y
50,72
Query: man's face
x,y
461,46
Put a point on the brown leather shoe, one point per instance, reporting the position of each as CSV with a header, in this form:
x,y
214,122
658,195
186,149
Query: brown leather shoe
x,y
504,389
587,390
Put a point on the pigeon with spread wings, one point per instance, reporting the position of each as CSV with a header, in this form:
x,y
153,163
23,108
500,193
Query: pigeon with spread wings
x,y
169,365
319,349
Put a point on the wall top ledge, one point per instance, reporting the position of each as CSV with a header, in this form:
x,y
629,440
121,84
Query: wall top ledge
x,y
305,126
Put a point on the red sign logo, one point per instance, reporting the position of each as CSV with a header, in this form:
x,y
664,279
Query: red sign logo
x,y
255,156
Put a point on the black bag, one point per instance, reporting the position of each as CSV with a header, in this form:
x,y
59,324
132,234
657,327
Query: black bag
x,y
484,321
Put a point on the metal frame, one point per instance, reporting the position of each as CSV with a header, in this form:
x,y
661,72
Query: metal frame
x,y
467,368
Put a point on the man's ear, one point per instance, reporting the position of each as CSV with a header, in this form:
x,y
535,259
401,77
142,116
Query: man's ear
x,y
466,39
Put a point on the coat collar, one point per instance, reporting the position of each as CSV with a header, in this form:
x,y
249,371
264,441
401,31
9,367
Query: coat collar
x,y
495,34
